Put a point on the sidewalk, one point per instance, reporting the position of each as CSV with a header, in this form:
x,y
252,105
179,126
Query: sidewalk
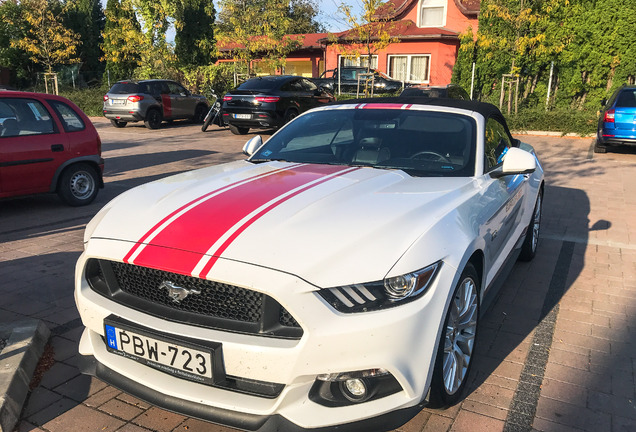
x,y
555,352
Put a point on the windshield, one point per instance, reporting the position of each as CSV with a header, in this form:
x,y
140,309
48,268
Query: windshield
x,y
383,75
421,143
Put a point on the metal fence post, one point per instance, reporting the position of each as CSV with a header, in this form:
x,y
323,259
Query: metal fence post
x,y
547,99
472,81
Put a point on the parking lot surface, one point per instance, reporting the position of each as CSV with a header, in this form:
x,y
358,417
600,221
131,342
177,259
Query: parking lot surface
x,y
556,352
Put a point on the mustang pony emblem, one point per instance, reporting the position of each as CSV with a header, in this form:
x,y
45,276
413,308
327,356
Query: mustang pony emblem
x,y
177,293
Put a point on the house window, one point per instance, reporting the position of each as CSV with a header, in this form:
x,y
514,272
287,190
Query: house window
x,y
410,68
432,13
360,61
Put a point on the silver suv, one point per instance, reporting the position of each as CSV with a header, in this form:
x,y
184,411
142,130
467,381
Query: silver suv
x,y
152,101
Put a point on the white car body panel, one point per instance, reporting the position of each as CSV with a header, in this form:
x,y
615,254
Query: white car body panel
x,y
289,230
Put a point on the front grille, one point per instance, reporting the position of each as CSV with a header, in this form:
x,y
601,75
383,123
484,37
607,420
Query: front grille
x,y
208,303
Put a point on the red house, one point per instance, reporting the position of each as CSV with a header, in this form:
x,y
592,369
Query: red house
x,y
426,34
426,41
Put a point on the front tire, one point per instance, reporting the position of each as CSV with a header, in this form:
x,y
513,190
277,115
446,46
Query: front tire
x,y
457,342
207,121
78,185
153,119
529,247
118,123
237,130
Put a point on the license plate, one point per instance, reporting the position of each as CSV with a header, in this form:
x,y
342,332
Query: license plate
x,y
183,360
243,116
117,101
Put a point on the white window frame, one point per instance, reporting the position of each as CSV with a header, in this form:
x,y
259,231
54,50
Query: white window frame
x,y
438,3
358,61
408,67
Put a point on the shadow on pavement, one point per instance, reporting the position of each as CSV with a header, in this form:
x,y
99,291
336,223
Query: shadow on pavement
x,y
531,293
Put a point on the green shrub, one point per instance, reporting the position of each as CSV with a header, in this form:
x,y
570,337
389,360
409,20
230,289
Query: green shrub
x,y
581,122
90,100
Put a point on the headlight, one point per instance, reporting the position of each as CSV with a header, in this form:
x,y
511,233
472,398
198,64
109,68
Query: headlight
x,y
382,294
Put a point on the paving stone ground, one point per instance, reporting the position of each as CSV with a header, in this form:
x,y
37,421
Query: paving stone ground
x,y
578,297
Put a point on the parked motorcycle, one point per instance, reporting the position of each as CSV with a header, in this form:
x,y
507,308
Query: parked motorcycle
x,y
214,115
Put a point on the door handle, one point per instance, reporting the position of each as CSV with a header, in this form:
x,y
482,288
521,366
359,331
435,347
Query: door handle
x,y
57,147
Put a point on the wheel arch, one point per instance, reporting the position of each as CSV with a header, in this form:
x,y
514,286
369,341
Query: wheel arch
x,y
94,161
477,260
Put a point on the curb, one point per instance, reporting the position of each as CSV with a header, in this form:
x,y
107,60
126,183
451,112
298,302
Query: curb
x,y
25,344
552,133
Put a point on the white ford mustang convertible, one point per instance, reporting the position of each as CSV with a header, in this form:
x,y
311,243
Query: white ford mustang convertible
x,y
332,280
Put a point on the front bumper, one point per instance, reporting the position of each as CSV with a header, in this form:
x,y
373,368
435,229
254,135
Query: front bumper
x,y
90,366
402,340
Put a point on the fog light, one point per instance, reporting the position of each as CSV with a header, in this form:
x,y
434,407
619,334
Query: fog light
x,y
354,389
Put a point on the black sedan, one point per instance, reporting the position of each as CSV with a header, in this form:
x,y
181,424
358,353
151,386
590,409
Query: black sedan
x,y
270,102
450,91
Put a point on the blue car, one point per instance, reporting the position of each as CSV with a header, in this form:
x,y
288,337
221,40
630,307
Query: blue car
x,y
617,122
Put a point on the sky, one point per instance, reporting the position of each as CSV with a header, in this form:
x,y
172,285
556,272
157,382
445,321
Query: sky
x,y
330,16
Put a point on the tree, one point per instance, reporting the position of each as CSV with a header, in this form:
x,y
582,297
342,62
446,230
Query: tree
x,y
589,42
462,70
12,28
123,39
601,56
520,38
370,32
256,28
303,15
47,40
86,18
156,57
194,38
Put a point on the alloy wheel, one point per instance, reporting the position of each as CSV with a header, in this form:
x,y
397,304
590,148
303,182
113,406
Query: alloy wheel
x,y
460,335
536,223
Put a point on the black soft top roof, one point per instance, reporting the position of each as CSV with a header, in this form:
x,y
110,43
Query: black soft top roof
x,y
485,109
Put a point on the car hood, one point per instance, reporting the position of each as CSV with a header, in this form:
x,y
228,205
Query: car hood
x,y
326,224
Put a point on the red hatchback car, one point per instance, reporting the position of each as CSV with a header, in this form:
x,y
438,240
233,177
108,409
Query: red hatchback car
x,y
47,144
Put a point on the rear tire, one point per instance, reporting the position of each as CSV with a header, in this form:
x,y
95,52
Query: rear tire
x,y
457,342
529,247
199,114
290,115
118,123
78,185
599,148
236,130
153,119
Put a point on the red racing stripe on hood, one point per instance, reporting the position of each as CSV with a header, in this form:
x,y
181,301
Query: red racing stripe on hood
x,y
155,229
191,235
217,254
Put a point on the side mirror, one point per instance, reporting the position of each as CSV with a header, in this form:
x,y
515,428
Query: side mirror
x,y
516,161
252,145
